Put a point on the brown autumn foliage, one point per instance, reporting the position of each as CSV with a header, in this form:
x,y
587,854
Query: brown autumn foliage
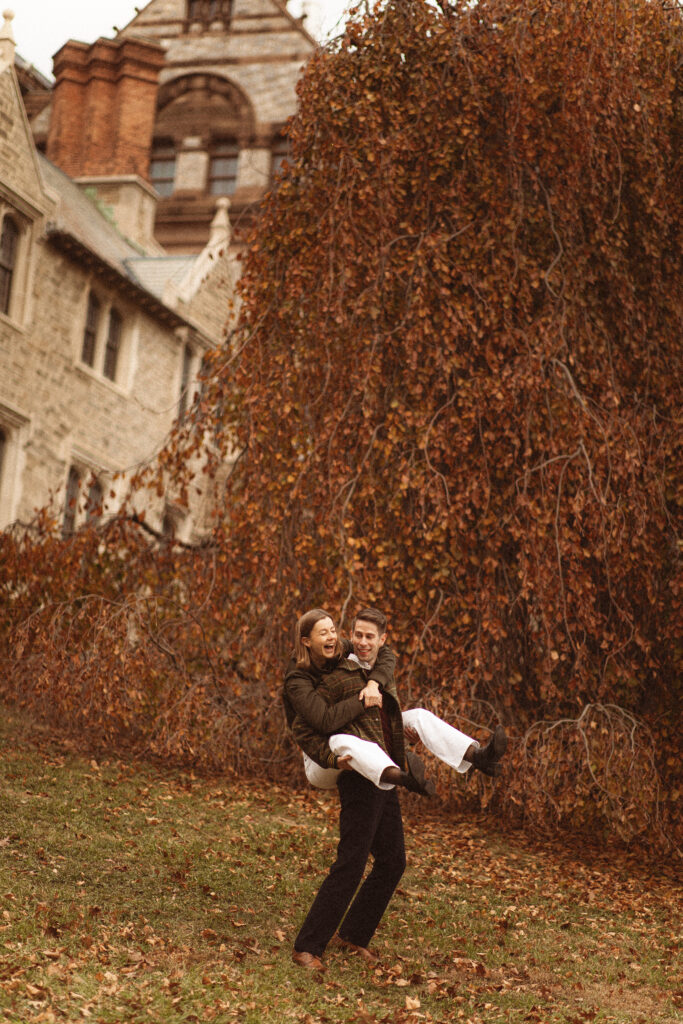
x,y
454,392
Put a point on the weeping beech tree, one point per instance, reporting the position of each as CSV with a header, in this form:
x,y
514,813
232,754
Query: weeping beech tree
x,y
453,393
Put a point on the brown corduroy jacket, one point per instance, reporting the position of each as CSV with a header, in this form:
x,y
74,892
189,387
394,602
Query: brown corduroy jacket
x,y
319,702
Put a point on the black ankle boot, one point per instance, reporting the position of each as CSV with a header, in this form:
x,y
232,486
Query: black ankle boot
x,y
486,759
415,779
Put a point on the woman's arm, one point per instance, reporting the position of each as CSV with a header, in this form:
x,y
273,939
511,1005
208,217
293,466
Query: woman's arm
x,y
314,709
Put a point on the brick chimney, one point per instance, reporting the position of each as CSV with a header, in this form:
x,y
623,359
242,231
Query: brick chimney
x,y
102,125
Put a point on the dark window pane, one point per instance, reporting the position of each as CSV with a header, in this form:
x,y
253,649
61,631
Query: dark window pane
x,y
111,352
73,487
90,333
8,255
162,167
185,381
95,498
223,167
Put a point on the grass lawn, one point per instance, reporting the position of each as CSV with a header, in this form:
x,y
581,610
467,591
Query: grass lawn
x,y
130,893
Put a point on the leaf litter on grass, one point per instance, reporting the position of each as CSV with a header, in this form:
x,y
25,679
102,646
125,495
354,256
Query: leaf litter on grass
x,y
133,893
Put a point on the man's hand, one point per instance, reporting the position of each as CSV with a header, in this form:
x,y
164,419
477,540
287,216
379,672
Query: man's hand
x,y
410,734
344,764
371,696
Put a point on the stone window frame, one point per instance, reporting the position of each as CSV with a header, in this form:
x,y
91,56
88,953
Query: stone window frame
x,y
190,385
81,508
19,285
186,374
113,338
14,427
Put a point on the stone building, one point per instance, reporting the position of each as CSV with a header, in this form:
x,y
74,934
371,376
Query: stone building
x,y
126,189
101,333
191,97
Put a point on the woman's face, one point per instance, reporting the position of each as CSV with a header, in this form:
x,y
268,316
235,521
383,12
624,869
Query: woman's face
x,y
322,641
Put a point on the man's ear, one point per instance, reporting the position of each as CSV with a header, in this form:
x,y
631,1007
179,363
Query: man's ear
x,y
383,639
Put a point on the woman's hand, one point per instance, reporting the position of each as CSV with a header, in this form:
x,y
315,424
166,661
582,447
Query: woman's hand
x,y
371,696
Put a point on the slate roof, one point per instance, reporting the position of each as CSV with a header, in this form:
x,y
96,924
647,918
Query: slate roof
x,y
155,272
84,218
81,227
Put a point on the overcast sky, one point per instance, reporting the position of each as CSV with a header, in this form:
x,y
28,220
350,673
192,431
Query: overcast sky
x,y
41,27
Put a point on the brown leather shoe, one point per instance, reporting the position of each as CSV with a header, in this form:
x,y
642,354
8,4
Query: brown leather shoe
x,y
363,951
308,960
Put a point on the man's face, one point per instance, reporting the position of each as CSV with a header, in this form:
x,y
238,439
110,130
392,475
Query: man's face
x,y
322,641
367,640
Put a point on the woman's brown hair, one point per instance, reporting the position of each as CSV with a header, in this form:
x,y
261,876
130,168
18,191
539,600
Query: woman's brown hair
x,y
302,631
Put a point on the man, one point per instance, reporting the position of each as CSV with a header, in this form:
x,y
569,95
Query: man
x,y
370,816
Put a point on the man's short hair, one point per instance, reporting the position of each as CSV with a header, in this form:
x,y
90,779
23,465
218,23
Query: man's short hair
x,y
373,615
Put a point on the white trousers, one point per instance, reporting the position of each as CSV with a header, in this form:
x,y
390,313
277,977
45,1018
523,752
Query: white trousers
x,y
369,760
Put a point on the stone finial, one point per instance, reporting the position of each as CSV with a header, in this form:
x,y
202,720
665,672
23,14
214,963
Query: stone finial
x,y
221,231
6,30
6,41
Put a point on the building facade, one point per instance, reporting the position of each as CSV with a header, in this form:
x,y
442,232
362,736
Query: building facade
x,y
194,105
101,336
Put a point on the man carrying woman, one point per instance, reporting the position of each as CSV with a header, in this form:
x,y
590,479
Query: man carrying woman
x,y
345,713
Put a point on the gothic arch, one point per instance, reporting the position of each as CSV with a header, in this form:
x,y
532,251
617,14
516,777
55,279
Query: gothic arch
x,y
204,105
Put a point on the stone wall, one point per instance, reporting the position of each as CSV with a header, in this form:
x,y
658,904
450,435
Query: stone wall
x,y
74,415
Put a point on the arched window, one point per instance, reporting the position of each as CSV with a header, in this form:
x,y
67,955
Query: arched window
x,y
113,346
9,242
73,490
90,333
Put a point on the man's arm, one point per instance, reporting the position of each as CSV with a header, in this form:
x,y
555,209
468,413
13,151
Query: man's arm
x,y
384,669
